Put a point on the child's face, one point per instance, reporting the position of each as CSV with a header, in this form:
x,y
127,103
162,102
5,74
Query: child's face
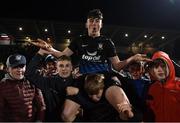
x,y
96,97
160,71
135,71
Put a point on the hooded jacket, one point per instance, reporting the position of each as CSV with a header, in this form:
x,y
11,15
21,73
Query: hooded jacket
x,y
164,98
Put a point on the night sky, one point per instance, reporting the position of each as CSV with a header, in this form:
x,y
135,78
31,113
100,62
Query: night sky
x,y
149,14
160,14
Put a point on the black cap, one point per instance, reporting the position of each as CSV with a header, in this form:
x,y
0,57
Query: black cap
x,y
15,60
50,58
95,13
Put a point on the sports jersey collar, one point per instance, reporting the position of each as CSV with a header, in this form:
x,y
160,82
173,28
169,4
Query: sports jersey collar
x,y
94,37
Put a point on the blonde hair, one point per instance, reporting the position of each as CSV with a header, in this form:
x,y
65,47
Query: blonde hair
x,y
94,83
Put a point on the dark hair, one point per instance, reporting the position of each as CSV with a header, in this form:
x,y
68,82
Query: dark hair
x,y
134,64
64,58
95,13
152,64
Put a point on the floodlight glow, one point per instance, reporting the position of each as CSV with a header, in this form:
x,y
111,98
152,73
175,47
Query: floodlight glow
x,y
69,31
20,28
126,35
46,30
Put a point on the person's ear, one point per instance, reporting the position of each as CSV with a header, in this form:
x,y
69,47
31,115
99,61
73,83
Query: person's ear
x,y
71,68
101,25
86,25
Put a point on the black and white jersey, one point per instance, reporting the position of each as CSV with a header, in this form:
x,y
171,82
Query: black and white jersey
x,y
93,53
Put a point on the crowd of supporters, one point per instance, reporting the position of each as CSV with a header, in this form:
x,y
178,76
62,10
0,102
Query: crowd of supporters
x,y
101,88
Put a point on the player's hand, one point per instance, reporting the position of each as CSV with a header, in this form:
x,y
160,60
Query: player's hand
x,y
41,44
140,57
76,73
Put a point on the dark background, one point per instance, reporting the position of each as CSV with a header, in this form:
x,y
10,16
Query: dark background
x,y
148,14
161,14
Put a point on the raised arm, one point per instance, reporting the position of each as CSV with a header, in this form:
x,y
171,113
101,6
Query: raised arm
x,y
46,48
66,52
33,75
118,65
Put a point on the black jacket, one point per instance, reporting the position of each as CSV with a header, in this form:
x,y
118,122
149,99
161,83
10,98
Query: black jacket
x,y
53,88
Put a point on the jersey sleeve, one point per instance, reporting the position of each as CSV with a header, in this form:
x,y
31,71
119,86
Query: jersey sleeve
x,y
110,48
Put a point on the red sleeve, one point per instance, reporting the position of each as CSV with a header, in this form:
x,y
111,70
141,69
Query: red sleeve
x,y
40,104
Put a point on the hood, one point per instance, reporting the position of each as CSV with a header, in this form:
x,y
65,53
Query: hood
x,y
170,82
8,77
